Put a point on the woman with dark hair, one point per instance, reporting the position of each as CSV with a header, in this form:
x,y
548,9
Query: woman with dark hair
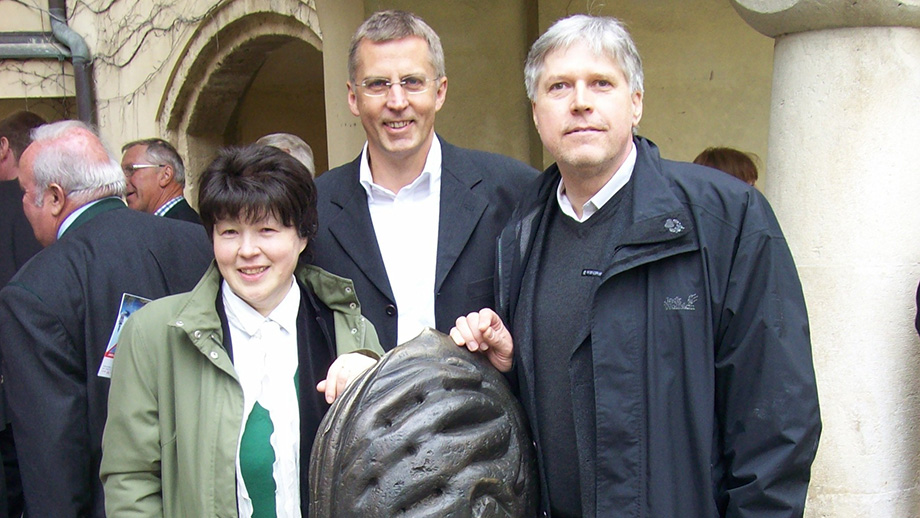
x,y
214,400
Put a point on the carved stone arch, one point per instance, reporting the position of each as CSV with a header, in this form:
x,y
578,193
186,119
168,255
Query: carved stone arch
x,y
216,67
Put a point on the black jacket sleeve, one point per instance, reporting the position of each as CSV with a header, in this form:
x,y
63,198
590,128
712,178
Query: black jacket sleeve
x,y
44,378
766,394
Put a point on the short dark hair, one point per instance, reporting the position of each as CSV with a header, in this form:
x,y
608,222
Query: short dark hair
x,y
161,152
253,182
732,161
17,129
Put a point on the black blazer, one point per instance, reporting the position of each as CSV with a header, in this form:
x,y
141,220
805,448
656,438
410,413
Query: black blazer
x,y
17,242
56,316
478,192
184,212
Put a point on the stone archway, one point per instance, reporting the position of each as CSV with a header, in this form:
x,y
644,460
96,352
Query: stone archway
x,y
216,68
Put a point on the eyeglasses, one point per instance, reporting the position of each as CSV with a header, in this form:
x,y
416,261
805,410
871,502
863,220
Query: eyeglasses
x,y
133,168
378,86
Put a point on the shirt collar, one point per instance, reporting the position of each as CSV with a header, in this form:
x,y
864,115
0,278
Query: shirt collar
x,y
168,205
619,179
428,181
249,320
76,214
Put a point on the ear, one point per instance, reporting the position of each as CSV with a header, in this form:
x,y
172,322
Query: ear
x,y
165,176
637,108
57,197
4,148
352,99
533,112
441,93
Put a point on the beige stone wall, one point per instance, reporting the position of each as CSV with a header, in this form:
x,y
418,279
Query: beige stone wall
x,y
16,17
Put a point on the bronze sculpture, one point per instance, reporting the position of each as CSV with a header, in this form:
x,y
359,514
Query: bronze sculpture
x,y
430,430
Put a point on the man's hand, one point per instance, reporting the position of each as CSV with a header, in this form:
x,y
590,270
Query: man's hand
x,y
342,372
484,331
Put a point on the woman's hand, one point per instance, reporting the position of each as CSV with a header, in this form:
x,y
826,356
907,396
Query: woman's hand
x,y
342,372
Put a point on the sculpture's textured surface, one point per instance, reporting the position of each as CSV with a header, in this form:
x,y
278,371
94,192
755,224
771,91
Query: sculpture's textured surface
x,y
431,430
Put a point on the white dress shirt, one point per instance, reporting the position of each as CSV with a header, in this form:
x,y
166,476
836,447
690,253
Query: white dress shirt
x,y
613,186
265,360
406,225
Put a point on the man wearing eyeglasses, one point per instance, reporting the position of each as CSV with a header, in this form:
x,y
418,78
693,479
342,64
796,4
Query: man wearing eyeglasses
x,y
155,179
413,219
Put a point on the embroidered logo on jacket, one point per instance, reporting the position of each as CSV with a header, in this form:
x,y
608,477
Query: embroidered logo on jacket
x,y
674,226
678,304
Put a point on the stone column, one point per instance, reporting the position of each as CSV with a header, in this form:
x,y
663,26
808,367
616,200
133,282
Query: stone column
x,y
338,20
843,174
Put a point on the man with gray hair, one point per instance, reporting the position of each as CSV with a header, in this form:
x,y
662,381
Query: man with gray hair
x,y
661,340
61,313
413,219
155,179
292,145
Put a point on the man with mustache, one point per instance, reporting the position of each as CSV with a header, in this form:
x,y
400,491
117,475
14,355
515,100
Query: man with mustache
x,y
413,220
661,343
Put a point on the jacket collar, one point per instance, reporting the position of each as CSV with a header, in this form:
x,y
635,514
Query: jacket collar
x,y
97,207
199,320
660,225
353,229
461,209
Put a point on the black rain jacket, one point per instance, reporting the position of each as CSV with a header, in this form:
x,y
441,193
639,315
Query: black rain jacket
x,y
702,390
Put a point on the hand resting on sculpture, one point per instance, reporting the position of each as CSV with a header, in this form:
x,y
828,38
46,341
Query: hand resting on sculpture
x,y
342,372
484,331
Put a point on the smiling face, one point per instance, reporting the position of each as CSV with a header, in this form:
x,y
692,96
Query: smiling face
x,y
585,111
257,259
398,125
143,185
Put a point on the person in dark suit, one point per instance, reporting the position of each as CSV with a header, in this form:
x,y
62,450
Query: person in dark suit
x,y
413,220
16,239
155,177
58,314
17,245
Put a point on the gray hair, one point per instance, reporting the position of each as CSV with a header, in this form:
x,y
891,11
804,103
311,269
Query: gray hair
x,y
292,145
605,36
70,154
395,25
160,151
